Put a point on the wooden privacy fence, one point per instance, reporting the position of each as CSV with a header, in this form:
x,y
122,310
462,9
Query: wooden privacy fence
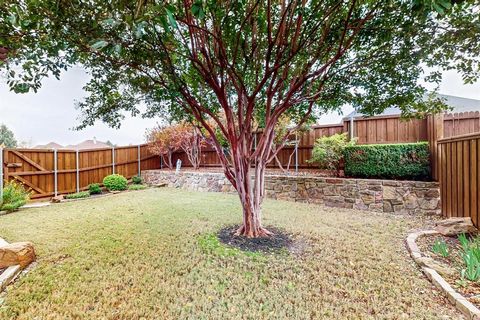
x,y
459,176
461,123
370,130
50,172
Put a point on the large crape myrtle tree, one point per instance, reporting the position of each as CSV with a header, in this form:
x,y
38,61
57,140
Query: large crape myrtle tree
x,y
236,66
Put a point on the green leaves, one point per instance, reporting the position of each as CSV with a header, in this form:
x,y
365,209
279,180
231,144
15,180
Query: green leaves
x,y
171,18
197,10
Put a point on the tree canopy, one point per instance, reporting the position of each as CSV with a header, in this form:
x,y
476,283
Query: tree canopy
x,y
7,138
236,66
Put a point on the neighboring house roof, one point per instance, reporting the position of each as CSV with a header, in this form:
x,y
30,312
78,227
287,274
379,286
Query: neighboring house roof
x,y
459,104
50,145
89,144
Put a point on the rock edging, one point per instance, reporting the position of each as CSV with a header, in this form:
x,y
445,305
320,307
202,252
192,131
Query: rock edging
x,y
459,301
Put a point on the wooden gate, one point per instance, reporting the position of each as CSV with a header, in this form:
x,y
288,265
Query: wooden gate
x,y
33,168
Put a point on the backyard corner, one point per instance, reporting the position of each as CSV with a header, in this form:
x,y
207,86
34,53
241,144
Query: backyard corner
x,y
154,254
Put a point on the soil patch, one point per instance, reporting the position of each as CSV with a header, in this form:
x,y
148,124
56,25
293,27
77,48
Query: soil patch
x,y
280,240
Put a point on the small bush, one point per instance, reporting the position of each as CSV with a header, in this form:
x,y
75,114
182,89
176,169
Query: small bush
x,y
388,161
78,195
137,187
115,182
94,188
328,151
14,196
137,180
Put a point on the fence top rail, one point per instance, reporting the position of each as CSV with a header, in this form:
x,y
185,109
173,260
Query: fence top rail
x,y
73,150
462,137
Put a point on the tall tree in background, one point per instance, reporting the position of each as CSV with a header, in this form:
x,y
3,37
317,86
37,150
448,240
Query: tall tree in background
x,y
7,138
248,62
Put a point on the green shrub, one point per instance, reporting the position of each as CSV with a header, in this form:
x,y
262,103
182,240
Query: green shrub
x,y
115,182
388,161
78,195
137,180
137,187
94,188
14,196
328,151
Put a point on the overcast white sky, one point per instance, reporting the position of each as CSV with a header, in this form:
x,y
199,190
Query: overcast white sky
x,y
50,114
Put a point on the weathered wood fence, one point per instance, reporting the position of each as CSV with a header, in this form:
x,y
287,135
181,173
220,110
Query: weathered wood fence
x,y
459,176
50,172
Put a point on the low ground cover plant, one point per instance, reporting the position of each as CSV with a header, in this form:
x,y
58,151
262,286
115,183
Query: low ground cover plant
x,y
94,188
137,180
14,196
137,187
78,195
115,182
328,152
440,248
408,161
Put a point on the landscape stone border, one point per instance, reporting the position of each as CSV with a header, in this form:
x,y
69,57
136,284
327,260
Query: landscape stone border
x,y
459,301
9,274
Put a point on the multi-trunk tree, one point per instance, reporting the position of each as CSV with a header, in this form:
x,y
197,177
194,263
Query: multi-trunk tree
x,y
236,66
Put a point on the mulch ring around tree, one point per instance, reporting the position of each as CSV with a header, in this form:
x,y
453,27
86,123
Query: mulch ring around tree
x,y
279,241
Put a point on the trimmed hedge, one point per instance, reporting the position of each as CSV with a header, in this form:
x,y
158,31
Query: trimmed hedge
x,y
407,161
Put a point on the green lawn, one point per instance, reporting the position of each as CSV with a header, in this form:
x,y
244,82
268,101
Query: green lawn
x,y
150,255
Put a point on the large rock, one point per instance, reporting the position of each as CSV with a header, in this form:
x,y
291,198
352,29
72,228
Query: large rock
x,y
57,199
18,253
455,226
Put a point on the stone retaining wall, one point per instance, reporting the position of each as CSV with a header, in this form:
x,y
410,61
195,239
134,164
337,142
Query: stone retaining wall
x,y
412,197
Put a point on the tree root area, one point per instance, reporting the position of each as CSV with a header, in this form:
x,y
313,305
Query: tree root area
x,y
276,241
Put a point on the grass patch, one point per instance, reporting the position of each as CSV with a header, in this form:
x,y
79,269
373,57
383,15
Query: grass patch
x,y
137,187
78,195
156,256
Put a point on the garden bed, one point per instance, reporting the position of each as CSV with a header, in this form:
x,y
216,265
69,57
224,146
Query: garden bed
x,y
448,253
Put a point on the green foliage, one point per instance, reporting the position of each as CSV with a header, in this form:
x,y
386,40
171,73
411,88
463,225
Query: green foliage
x,y
14,196
137,187
441,248
115,182
78,195
388,161
137,180
328,151
470,254
7,138
94,188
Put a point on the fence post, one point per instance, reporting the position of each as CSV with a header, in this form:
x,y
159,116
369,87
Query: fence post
x,y
77,167
351,128
139,161
113,160
1,174
434,133
55,169
296,152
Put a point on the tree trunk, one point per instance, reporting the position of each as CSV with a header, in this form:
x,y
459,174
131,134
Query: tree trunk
x,y
251,193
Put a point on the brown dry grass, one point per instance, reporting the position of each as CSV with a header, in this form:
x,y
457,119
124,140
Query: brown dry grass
x,y
152,255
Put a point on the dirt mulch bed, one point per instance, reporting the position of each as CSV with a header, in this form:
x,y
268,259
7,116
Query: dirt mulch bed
x,y
277,242
469,289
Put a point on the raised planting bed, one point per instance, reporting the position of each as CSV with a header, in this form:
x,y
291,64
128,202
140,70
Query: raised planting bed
x,y
452,264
